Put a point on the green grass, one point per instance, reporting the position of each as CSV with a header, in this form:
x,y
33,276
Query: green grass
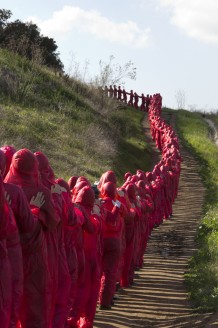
x,y
81,132
202,275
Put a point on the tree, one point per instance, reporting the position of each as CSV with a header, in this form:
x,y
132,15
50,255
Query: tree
x,y
26,40
113,73
180,99
4,16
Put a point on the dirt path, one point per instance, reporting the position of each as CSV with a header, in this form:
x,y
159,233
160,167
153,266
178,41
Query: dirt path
x,y
158,297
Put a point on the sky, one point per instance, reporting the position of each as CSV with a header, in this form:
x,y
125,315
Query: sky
x,y
172,43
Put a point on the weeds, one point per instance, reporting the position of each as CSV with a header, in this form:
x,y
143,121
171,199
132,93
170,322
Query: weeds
x,y
202,275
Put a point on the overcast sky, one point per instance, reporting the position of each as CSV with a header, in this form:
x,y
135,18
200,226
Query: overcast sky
x,y
172,43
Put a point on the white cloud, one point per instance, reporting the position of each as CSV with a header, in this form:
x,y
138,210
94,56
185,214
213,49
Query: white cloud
x,y
197,18
71,19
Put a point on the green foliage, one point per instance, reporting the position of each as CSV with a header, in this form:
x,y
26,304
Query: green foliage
x,y
202,275
25,39
4,16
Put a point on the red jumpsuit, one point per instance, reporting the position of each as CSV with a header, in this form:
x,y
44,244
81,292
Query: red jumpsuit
x,y
70,240
5,273
111,248
35,309
89,289
9,152
128,235
58,264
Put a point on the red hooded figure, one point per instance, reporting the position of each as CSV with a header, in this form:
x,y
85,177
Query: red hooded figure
x,y
36,302
5,272
84,225
14,249
56,249
89,290
111,247
9,151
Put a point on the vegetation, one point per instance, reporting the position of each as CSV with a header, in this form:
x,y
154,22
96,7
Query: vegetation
x,y
202,276
80,130
83,132
25,39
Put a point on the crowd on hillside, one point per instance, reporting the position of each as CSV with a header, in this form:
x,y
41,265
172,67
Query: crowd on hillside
x,y
130,98
67,246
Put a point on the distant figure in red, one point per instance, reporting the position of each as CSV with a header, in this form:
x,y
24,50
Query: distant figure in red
x,y
148,100
119,92
111,91
106,90
115,91
142,107
136,100
124,96
131,98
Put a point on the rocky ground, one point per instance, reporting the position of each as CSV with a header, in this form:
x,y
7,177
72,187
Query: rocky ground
x,y
159,297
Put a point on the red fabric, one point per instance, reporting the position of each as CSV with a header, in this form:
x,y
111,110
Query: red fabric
x,y
5,272
72,182
58,265
78,186
9,151
108,189
86,197
36,308
89,289
110,261
108,176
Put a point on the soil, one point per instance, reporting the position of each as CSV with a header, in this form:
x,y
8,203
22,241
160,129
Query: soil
x,y
158,297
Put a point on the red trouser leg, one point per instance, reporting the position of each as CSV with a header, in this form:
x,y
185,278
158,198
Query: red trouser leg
x,y
110,261
6,295
16,260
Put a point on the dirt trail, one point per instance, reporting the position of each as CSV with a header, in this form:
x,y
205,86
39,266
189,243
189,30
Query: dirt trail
x,y
158,297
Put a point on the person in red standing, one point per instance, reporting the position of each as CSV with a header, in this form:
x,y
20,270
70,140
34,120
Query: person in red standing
x,y
84,224
136,100
58,263
132,193
35,307
119,93
15,255
115,92
5,272
131,98
111,246
111,91
70,239
147,208
24,223
143,102
148,101
128,235
124,99
89,290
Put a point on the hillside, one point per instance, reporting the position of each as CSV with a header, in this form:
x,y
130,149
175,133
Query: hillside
x,y
81,131
85,133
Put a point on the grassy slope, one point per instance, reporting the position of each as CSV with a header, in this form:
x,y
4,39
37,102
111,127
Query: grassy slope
x,y
81,132
84,134
202,276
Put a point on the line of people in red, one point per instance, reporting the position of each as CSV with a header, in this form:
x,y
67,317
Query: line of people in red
x,y
130,98
66,246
